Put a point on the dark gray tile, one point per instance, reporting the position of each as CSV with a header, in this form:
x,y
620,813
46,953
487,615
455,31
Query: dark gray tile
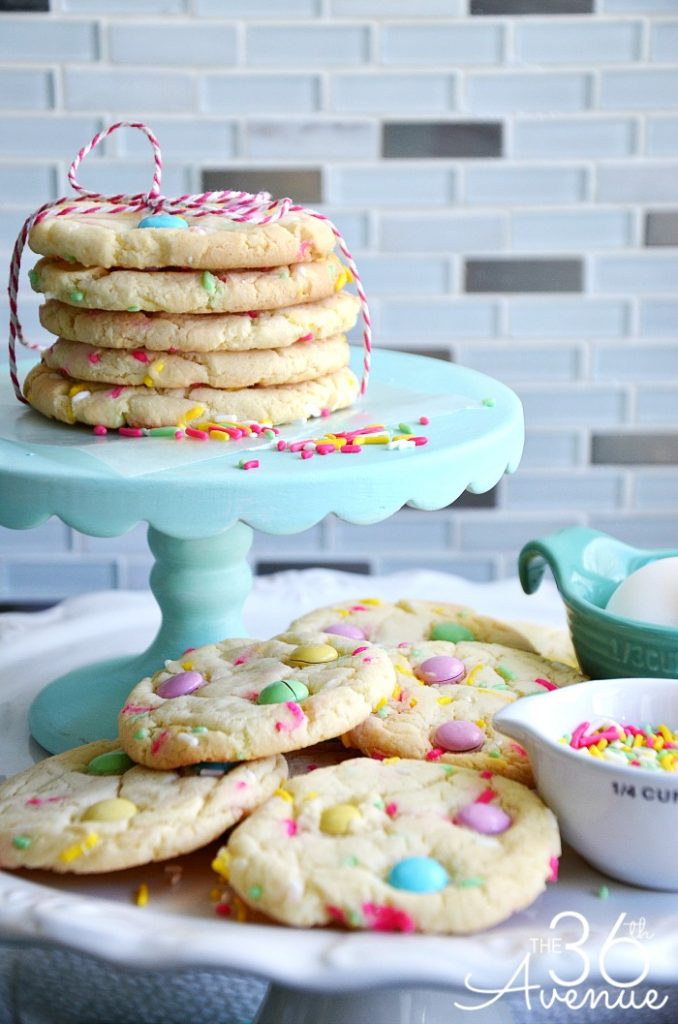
x,y
661,227
442,139
23,5
518,275
417,350
531,6
634,449
488,499
264,568
303,184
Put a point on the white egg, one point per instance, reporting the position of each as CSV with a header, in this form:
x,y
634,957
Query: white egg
x,y
650,594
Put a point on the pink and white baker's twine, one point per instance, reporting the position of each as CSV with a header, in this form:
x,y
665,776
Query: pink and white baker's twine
x,y
244,207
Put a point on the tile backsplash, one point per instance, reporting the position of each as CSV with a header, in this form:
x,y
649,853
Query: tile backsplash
x,y
506,172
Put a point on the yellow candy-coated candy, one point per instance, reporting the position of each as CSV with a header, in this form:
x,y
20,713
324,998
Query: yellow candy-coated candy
x,y
312,654
336,820
115,809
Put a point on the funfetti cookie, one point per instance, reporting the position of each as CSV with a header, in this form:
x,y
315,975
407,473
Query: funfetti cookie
x,y
188,291
261,368
167,332
75,401
244,699
443,705
92,809
404,846
141,241
385,623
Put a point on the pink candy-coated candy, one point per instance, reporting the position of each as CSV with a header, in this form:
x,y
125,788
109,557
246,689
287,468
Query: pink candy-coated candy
x,y
345,629
486,818
441,669
100,430
181,684
459,736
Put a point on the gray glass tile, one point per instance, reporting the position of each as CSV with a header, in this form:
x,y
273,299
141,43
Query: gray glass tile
x,y
632,449
468,500
24,5
442,139
661,227
531,7
266,568
302,184
523,275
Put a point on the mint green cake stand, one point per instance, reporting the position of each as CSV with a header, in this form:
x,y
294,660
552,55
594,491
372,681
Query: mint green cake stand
x,y
201,508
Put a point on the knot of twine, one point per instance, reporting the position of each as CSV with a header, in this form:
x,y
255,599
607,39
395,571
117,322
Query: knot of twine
x,y
243,207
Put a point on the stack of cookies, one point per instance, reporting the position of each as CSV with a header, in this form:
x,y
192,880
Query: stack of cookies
x,y
162,320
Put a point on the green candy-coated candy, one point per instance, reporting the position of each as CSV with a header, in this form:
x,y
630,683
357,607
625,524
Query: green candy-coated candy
x,y
114,763
76,295
21,842
283,690
209,282
453,632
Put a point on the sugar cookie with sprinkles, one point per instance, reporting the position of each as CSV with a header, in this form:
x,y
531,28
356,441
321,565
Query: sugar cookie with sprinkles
x,y
443,705
245,699
102,239
404,846
187,332
75,401
386,623
93,809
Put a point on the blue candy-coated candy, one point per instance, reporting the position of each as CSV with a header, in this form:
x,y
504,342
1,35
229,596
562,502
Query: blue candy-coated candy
x,y
418,874
162,220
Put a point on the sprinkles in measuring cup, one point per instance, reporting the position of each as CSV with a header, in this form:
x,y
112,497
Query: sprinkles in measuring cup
x,y
652,747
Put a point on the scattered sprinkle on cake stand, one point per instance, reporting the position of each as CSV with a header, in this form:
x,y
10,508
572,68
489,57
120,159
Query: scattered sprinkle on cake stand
x,y
201,507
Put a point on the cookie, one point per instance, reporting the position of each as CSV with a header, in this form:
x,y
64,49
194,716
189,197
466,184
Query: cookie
x,y
73,401
92,809
404,846
261,367
244,699
444,701
208,243
389,624
188,291
164,332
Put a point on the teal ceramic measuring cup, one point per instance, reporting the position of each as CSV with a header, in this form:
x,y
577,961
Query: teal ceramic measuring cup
x,y
588,566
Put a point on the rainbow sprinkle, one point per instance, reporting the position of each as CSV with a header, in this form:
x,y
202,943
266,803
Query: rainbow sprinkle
x,y
654,748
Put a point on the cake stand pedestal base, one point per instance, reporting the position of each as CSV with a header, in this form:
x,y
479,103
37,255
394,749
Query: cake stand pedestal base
x,y
384,1006
201,586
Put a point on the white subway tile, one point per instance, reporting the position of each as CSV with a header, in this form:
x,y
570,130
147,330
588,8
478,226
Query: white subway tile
x,y
657,405
635,363
480,570
353,224
181,43
109,7
322,44
27,183
599,490
257,8
404,531
659,317
135,92
133,542
303,140
637,182
50,536
25,89
403,275
566,318
446,44
657,490
640,531
438,319
551,449
517,92
396,8
587,41
636,275
36,38
392,94
130,176
507,533
391,186
573,137
266,545
237,94
185,139
523,363
662,136
570,230
573,405
524,186
638,6
664,41
639,89
443,232
51,137
52,579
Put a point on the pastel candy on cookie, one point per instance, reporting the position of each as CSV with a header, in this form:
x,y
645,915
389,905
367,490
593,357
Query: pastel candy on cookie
x,y
259,698
376,846
442,668
162,220
180,684
484,818
459,736
91,809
